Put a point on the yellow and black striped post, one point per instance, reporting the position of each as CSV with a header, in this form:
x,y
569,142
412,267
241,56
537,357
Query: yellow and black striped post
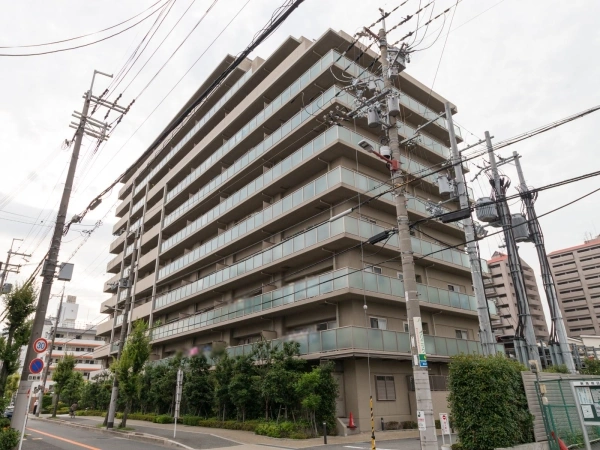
x,y
372,424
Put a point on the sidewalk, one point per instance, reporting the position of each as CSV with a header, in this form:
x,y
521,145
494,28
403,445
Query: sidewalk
x,y
217,438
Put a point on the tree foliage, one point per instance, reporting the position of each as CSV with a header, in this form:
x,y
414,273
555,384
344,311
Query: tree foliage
x,y
197,387
487,402
129,367
95,394
592,367
65,370
19,304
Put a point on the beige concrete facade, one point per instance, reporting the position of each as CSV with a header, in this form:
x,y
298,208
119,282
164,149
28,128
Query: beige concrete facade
x,y
231,215
576,272
500,288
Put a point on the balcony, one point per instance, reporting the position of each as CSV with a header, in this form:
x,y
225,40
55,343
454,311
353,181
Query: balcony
x,y
101,352
300,245
260,219
144,284
104,328
121,224
300,292
346,341
185,139
108,305
150,237
254,154
148,261
288,165
123,207
114,265
116,246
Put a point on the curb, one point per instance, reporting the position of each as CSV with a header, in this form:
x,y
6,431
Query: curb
x,y
132,435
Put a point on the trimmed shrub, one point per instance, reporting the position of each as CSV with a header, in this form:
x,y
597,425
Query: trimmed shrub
x,y
248,425
164,418
9,438
90,412
409,425
283,430
487,401
138,416
392,425
191,420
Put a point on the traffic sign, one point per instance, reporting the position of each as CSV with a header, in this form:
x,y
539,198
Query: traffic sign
x,y
445,423
36,366
40,345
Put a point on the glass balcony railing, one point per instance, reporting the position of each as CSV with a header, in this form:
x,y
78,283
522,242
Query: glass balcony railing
x,y
357,71
135,225
312,189
313,287
185,139
253,154
424,140
306,78
372,339
293,89
371,185
299,242
137,206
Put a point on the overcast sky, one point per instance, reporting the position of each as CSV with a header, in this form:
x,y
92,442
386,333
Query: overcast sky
x,y
509,66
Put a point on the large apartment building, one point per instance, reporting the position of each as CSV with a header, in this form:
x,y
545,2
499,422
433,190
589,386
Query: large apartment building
x,y
231,216
500,288
576,272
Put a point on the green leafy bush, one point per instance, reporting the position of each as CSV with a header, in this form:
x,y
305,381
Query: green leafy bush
x,y
90,412
592,367
487,401
392,425
248,425
138,416
561,368
164,418
409,425
283,430
9,438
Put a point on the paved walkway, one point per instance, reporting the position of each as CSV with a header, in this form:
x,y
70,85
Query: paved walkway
x,y
218,438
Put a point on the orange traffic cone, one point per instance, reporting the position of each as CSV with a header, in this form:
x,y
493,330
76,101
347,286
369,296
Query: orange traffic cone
x,y
561,444
351,422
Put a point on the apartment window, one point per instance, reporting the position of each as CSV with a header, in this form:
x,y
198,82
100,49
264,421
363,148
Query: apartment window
x,y
425,326
385,387
454,288
378,322
461,334
419,278
60,335
373,269
326,325
400,276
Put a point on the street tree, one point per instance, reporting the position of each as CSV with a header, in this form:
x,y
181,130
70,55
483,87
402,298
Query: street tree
x,y
130,365
241,387
197,387
65,368
19,304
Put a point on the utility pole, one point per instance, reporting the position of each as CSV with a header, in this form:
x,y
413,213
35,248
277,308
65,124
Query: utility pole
x,y
558,333
420,372
7,264
110,422
84,126
525,342
49,355
486,335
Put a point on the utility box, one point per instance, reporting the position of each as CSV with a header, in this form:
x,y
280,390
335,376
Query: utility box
x,y
65,272
6,288
520,228
486,210
393,105
445,186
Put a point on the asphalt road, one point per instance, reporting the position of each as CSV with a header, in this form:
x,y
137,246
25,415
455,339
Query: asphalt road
x,y
41,435
397,444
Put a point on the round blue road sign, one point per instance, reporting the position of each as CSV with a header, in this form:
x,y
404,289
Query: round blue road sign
x,y
36,366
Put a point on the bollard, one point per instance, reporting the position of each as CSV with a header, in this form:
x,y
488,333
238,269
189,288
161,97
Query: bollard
x,y
325,433
382,427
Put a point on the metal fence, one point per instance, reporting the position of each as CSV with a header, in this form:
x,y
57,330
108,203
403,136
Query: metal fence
x,y
560,416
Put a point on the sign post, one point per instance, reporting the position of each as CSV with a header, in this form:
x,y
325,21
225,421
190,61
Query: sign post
x,y
422,361
421,420
587,402
445,426
178,399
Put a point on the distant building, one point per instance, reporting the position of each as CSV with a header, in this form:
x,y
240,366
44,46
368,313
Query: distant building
x,y
576,272
500,287
68,313
79,342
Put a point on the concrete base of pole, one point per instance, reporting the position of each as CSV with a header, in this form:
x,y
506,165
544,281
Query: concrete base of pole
x,y
21,407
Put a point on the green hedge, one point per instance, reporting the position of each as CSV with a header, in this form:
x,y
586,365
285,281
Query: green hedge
x,y
9,438
283,430
90,412
487,402
248,425
164,418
